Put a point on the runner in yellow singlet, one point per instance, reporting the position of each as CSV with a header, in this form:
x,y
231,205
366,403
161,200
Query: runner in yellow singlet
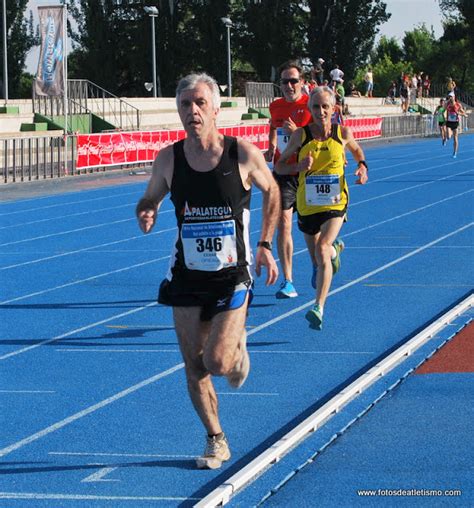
x,y
323,195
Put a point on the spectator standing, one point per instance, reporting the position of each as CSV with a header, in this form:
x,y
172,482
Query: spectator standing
x,y
336,75
426,85
318,72
369,82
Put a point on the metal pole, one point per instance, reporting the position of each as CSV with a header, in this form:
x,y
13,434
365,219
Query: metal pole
x,y
65,94
5,59
229,65
153,42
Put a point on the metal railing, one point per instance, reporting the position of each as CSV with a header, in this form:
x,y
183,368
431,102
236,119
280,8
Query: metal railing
x,y
87,97
260,95
46,157
104,104
25,159
417,125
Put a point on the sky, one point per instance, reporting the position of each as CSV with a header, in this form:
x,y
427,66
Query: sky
x,y
406,15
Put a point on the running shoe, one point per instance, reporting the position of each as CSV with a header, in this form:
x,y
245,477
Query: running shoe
x,y
336,262
455,155
237,376
315,318
314,276
216,452
287,290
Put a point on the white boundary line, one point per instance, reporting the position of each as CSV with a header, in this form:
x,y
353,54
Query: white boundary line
x,y
123,393
82,497
91,409
222,494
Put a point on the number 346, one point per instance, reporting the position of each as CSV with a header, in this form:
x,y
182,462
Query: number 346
x,y
209,244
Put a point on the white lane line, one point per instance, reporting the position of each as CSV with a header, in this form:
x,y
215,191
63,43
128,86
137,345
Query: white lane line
x,y
91,409
177,351
123,393
37,293
83,497
93,247
375,198
85,249
170,210
77,330
27,391
249,394
125,455
361,278
99,476
67,216
67,203
225,491
60,233
80,281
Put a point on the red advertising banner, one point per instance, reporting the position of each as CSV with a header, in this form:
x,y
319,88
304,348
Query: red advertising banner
x,y
121,148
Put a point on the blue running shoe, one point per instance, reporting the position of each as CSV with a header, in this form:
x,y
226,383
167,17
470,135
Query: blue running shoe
x,y
454,155
336,262
315,318
314,276
287,290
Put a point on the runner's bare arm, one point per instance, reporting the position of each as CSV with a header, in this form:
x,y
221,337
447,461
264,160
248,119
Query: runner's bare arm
x,y
282,167
158,187
255,171
358,154
272,143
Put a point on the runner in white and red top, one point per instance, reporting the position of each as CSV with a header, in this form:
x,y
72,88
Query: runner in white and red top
x,y
453,111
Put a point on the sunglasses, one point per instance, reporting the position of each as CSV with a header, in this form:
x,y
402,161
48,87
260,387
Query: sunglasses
x,y
293,81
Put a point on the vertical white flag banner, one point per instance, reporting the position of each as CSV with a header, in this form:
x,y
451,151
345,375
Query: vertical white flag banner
x,y
50,75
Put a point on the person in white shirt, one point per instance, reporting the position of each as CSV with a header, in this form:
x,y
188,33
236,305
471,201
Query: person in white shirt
x,y
336,75
369,82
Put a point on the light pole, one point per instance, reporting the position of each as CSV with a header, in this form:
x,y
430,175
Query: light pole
x,y
153,13
228,24
5,62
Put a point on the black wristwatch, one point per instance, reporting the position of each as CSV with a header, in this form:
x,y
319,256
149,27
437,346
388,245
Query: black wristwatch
x,y
364,163
266,245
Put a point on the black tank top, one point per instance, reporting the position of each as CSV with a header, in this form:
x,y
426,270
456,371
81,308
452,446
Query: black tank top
x,y
213,213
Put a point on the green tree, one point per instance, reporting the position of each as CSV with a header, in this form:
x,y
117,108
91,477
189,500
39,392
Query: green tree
x,y
387,46
343,31
418,45
20,39
270,32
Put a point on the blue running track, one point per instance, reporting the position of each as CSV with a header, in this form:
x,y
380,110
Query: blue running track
x,y
94,407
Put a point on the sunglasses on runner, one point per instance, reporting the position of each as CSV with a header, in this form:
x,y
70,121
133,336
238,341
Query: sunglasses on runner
x,y
293,81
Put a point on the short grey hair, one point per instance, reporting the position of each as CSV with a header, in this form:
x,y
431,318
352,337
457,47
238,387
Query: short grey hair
x,y
191,80
319,90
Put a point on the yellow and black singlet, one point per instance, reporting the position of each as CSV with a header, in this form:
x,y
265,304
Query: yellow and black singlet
x,y
323,187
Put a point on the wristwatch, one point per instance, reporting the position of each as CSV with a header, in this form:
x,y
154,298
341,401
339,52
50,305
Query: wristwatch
x,y
264,244
364,163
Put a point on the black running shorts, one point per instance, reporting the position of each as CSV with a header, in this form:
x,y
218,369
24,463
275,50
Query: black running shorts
x,y
452,125
213,296
311,224
288,185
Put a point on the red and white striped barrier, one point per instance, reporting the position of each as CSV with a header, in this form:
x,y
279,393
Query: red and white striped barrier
x,y
121,148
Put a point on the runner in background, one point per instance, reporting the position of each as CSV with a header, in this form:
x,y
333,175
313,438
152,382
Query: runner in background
x,y
287,114
440,115
453,111
323,193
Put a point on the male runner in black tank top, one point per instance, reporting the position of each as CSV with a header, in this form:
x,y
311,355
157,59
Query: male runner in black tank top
x,y
208,284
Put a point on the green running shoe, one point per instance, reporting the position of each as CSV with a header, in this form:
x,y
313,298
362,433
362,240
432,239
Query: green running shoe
x,y
336,262
315,318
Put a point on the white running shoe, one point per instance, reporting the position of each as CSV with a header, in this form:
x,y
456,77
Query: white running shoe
x,y
216,452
